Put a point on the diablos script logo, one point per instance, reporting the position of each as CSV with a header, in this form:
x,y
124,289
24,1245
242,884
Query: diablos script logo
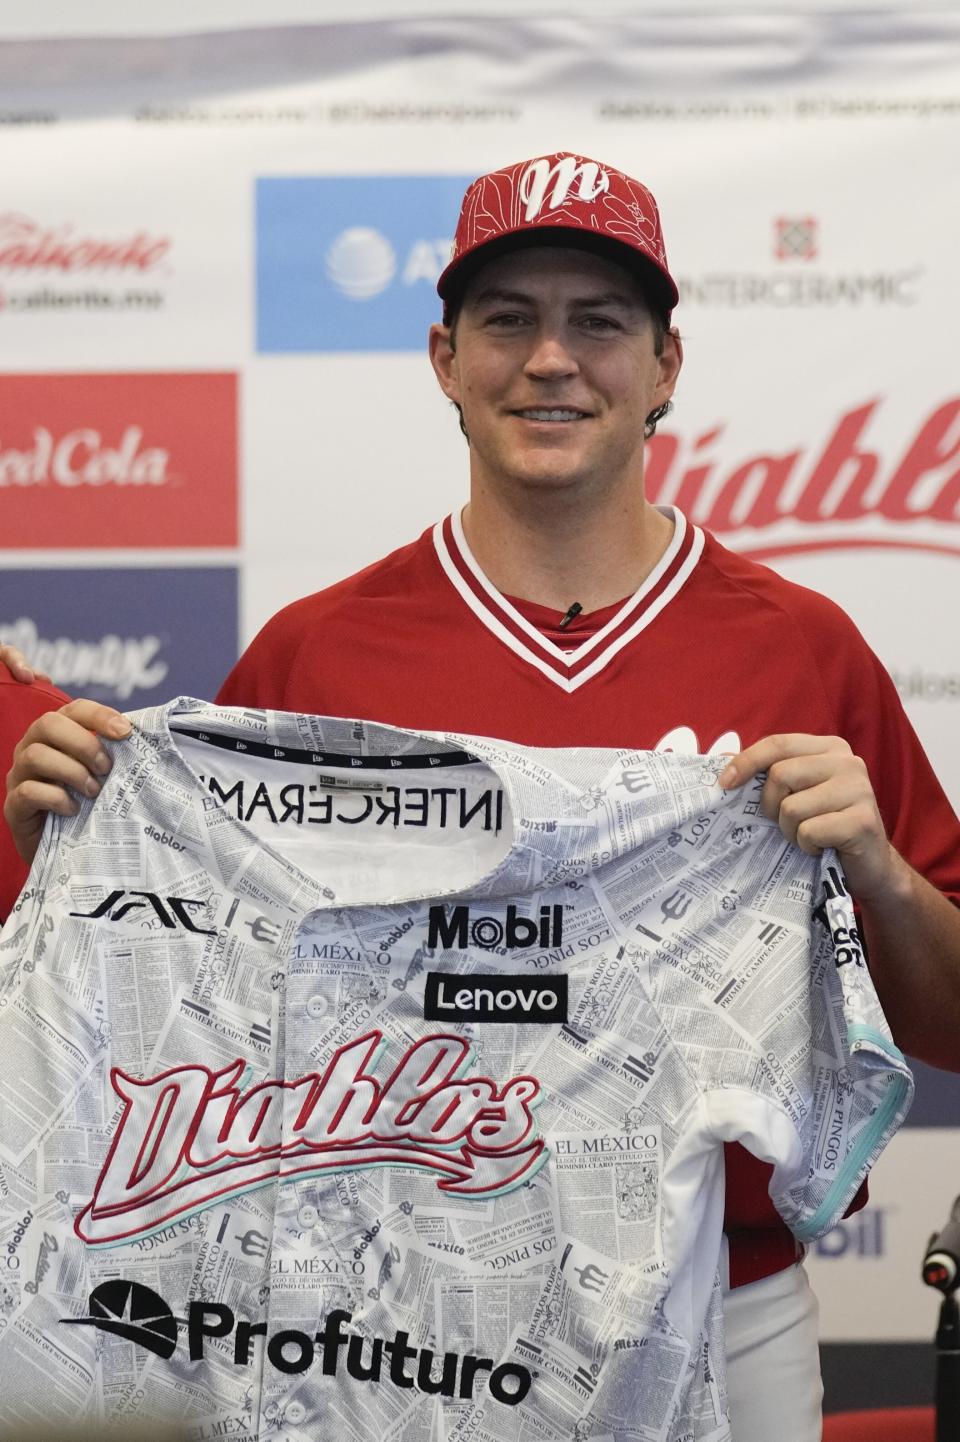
x,y
213,1135
459,929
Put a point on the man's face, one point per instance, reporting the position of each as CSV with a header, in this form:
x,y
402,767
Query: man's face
x,y
553,365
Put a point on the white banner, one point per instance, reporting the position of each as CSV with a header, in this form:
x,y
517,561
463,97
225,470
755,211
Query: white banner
x,y
274,205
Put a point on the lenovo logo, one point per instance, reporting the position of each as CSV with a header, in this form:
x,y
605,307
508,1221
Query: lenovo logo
x,y
494,997
457,928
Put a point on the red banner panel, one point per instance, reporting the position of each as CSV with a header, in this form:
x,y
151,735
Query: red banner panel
x,y
98,460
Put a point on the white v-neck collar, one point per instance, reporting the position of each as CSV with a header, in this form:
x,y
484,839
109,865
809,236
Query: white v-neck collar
x,y
568,669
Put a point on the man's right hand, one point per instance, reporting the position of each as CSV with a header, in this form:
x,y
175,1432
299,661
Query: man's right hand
x,y
61,754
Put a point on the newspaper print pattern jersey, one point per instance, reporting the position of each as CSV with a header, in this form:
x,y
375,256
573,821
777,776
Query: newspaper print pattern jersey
x,y
359,1083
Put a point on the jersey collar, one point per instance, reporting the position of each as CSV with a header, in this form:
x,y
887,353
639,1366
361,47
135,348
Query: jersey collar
x,y
568,669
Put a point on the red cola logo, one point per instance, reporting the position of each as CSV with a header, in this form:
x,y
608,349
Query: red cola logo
x,y
82,457
27,245
191,1137
844,485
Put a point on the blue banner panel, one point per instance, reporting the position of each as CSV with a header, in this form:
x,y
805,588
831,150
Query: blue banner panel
x,y
130,637
351,263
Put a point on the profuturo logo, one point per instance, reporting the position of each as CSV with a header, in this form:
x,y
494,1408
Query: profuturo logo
x,y
139,1315
131,1311
361,262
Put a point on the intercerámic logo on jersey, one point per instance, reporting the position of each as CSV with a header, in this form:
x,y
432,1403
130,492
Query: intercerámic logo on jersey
x,y
190,1137
545,184
139,1315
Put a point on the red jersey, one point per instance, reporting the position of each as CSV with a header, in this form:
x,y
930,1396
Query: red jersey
x,y
20,705
712,653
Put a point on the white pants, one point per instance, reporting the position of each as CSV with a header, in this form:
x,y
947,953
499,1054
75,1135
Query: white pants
x,y
773,1363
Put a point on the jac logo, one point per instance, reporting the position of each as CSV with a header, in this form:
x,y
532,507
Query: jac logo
x,y
459,930
170,911
139,1315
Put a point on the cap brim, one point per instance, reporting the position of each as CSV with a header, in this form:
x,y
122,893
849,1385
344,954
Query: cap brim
x,y
657,284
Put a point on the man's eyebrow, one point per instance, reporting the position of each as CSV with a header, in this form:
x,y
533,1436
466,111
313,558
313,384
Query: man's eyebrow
x,y
497,295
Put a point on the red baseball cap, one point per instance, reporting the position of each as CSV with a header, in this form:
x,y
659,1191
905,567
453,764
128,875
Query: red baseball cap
x,y
560,199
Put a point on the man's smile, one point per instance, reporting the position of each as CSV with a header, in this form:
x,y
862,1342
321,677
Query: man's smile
x,y
551,413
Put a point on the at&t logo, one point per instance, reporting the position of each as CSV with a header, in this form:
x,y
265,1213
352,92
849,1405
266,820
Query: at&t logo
x,y
362,263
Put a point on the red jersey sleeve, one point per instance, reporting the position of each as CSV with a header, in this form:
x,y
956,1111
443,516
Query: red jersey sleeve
x,y
20,705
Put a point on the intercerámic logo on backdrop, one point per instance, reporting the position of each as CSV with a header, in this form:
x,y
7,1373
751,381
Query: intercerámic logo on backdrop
x,y
351,262
123,459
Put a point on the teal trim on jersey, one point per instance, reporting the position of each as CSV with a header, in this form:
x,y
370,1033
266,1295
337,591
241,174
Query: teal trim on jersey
x,y
843,1187
858,1031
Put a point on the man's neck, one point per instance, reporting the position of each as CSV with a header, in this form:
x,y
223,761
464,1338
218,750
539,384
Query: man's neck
x,y
557,554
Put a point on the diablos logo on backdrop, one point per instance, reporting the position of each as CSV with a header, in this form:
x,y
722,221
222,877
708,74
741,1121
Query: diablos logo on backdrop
x,y
116,635
867,474
834,486
350,263
100,460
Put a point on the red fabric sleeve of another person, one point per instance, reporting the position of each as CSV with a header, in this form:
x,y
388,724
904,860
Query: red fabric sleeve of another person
x,y
20,705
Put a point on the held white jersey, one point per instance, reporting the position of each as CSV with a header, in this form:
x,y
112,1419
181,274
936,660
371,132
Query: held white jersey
x,y
362,1084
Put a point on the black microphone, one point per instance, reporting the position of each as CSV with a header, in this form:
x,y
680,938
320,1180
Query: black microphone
x,y
941,1265
571,615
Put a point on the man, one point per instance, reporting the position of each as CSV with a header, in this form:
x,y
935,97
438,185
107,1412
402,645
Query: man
x,y
562,609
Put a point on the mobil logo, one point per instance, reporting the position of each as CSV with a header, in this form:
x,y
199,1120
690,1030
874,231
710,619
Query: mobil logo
x,y
862,1235
351,262
128,459
459,926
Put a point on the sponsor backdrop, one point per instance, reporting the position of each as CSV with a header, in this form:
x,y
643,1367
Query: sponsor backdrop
x,y
217,259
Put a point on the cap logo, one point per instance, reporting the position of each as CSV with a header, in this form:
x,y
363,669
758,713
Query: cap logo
x,y
535,182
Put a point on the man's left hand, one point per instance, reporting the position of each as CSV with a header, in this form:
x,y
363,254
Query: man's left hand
x,y
820,795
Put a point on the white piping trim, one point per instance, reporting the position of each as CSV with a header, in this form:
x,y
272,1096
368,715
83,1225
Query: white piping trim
x,y
493,623
568,659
